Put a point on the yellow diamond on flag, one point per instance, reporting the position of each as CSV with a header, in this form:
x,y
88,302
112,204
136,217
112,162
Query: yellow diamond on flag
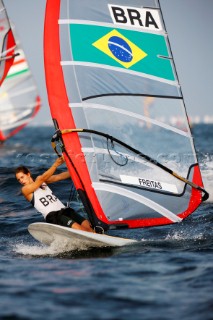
x,y
120,49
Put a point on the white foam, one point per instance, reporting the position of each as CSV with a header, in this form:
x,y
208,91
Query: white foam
x,y
184,235
42,250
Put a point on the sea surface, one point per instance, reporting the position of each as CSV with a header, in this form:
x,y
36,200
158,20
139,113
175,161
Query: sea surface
x,y
167,275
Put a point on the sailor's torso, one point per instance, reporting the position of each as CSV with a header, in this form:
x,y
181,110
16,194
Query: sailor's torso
x,y
45,201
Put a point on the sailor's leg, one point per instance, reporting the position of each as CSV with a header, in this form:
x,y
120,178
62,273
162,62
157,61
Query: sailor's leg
x,y
85,224
72,219
82,227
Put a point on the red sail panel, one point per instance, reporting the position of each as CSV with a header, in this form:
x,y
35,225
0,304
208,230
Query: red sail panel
x,y
59,104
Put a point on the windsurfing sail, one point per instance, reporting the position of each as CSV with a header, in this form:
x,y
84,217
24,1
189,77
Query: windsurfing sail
x,y
7,43
113,90
19,98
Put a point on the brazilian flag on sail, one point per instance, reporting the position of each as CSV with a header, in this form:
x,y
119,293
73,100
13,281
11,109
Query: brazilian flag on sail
x,y
133,50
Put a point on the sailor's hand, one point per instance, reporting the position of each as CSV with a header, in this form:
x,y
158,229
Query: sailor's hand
x,y
58,161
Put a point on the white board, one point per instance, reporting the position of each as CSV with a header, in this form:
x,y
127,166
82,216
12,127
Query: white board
x,y
47,233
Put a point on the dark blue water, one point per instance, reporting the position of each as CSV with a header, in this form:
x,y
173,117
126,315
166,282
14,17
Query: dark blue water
x,y
168,275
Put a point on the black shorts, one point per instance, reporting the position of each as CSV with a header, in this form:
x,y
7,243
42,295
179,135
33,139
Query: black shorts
x,y
64,217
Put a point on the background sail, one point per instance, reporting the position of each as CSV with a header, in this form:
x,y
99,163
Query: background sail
x,y
19,98
7,43
109,68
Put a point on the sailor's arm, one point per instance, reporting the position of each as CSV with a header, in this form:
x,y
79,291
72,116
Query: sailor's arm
x,y
30,188
46,176
58,177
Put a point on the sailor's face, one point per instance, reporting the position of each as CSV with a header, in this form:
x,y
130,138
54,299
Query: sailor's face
x,y
23,178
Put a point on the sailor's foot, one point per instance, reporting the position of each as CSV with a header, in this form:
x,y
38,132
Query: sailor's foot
x,y
99,229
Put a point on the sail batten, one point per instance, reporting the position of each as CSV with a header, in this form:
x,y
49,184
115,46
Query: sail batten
x,y
113,76
72,21
133,115
139,74
117,190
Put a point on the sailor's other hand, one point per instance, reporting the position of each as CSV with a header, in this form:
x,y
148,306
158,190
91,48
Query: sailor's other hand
x,y
59,161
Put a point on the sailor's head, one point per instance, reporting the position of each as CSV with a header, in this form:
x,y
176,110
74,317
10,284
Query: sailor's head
x,y
23,175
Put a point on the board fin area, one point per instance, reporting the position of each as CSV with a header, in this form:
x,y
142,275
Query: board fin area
x,y
48,234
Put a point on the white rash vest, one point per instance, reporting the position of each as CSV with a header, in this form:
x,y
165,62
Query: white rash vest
x,y
45,201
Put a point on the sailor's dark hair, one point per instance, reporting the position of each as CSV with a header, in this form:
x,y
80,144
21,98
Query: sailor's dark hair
x,y
22,169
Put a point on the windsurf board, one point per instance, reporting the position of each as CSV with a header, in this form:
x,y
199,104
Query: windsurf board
x,y
47,233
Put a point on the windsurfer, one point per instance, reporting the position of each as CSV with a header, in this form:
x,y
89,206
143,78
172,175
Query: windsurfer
x,y
41,197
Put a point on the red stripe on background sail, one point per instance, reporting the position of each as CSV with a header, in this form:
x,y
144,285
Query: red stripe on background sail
x,y
8,62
